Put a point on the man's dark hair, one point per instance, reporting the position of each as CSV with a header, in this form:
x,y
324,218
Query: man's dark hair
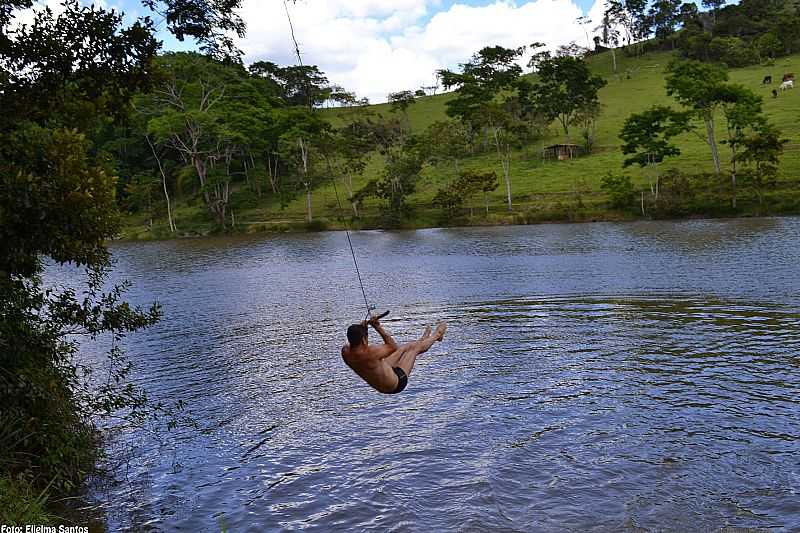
x,y
356,334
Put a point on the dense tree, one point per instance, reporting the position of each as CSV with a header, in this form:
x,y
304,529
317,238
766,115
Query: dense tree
x,y
620,190
303,134
451,198
403,156
304,85
339,95
52,71
647,137
565,88
689,16
403,166
572,49
787,29
586,119
346,151
760,154
212,23
704,89
664,17
401,100
631,15
740,34
714,6
448,141
768,46
489,72
62,77
207,112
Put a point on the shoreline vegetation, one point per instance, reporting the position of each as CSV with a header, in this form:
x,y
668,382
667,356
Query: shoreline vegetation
x,y
682,185
516,219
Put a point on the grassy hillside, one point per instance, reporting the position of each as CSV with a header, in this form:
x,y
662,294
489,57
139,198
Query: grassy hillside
x,y
541,190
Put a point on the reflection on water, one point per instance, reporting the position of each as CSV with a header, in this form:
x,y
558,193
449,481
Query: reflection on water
x,y
607,377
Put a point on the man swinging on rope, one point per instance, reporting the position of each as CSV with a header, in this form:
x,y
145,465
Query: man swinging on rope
x,y
386,368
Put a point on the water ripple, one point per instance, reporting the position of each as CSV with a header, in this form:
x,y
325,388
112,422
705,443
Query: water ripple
x,y
632,377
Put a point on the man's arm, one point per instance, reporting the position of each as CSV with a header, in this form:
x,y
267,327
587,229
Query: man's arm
x,y
387,339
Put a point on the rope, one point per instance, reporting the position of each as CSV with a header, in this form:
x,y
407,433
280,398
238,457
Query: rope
x,y
352,251
291,29
335,189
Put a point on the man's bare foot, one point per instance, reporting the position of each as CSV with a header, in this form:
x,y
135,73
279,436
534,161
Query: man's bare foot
x,y
440,329
427,332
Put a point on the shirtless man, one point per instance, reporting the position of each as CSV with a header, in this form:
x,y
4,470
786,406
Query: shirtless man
x,y
388,366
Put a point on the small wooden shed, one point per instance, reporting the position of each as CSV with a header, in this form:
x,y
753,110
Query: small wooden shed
x,y
562,152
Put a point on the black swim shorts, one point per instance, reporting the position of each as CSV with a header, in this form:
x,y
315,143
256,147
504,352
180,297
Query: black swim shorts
x,y
402,380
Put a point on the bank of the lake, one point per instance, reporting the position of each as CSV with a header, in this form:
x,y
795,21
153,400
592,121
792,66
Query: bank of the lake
x,y
778,204
21,504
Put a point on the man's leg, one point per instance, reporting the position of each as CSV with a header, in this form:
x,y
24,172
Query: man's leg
x,y
409,353
394,359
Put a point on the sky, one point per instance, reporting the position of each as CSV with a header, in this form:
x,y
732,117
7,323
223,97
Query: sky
x,y
374,47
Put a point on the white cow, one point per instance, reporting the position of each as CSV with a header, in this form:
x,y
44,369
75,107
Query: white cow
x,y
788,84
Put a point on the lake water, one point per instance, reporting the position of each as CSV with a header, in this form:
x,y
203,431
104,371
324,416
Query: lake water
x,y
598,377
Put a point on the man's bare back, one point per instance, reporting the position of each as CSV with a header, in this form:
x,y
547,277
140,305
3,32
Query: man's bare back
x,y
385,367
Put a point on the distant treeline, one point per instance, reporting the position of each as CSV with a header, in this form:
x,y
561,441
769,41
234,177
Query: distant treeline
x,y
738,35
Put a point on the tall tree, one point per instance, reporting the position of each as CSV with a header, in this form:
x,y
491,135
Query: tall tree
x,y
404,164
700,87
346,151
404,160
301,138
743,113
158,158
339,95
484,99
609,36
207,112
641,22
584,21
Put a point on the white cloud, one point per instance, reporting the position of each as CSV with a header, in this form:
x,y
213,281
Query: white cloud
x,y
27,16
374,47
